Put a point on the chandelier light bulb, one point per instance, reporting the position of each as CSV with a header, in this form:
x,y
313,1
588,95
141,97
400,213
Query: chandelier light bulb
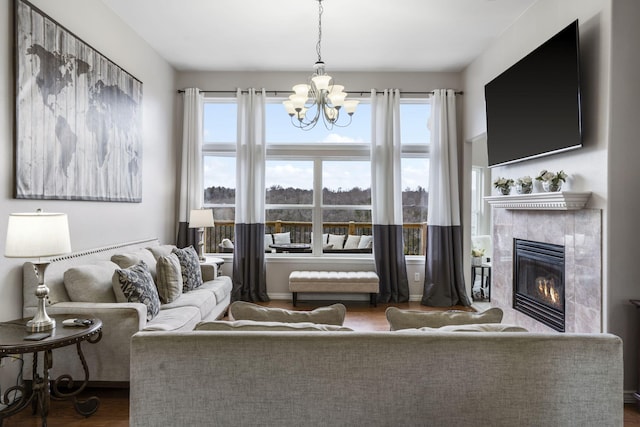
x,y
320,93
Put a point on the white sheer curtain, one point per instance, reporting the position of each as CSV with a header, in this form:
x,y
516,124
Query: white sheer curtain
x,y
249,278
386,194
191,195
444,278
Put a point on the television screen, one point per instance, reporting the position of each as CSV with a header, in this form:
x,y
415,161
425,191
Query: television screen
x,y
533,108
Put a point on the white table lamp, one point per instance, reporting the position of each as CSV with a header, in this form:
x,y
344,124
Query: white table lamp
x,y
201,218
37,235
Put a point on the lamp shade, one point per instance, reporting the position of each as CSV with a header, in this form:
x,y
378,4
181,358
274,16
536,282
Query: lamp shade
x,y
201,218
37,234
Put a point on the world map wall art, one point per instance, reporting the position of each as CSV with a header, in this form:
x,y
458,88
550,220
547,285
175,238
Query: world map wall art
x,y
78,117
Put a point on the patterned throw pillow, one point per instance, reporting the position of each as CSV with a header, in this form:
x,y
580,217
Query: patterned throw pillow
x,y
135,284
190,265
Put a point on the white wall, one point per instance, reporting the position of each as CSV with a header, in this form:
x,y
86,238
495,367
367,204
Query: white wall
x,y
278,269
607,164
95,224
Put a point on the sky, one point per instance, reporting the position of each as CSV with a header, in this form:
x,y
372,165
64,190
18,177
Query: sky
x,y
220,126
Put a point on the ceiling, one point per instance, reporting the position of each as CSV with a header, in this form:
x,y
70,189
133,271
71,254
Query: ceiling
x,y
357,35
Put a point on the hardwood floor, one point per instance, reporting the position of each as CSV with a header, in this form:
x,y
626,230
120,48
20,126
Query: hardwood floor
x,y
114,403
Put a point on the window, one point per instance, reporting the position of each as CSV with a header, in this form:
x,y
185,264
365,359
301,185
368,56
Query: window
x,y
318,182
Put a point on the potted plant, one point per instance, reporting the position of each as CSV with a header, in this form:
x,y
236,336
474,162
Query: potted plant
x,y
476,256
524,185
503,185
552,181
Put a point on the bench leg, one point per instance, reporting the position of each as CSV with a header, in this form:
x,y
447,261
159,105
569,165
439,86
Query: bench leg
x,y
373,299
294,298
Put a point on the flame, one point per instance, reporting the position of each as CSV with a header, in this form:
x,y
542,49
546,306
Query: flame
x,y
546,288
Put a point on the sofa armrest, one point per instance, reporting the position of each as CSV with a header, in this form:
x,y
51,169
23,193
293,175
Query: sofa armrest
x,y
209,271
108,359
129,315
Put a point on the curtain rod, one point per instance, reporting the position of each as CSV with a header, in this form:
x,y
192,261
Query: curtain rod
x,y
361,92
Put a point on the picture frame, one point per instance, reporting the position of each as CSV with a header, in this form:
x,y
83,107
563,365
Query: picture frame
x,y
78,118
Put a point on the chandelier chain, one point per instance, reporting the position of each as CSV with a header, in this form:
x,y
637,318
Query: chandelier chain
x,y
318,45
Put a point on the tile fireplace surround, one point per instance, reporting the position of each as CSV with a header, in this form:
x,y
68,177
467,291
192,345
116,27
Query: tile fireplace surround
x,y
580,232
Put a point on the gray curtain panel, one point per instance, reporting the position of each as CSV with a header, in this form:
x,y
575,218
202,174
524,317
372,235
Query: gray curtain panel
x,y
186,236
390,262
249,275
444,279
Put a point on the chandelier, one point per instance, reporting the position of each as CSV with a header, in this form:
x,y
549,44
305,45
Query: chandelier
x,y
319,98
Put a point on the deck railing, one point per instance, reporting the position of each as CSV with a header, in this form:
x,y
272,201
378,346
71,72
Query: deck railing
x,y
414,234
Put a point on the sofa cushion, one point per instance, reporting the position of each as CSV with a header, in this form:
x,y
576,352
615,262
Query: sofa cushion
x,y
169,278
202,299
331,315
135,284
176,319
190,266
409,319
220,286
251,325
161,250
128,259
352,242
91,282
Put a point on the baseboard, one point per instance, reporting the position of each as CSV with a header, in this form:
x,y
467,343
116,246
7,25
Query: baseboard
x,y
629,397
348,297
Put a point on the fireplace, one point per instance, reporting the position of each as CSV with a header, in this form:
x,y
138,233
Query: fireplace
x,y
538,282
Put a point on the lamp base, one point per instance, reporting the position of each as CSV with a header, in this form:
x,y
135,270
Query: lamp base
x,y
41,325
41,321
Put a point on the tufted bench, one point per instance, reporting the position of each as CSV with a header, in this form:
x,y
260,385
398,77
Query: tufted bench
x,y
334,282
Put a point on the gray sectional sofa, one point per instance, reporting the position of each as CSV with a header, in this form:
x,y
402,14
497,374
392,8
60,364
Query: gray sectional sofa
x,y
81,284
395,378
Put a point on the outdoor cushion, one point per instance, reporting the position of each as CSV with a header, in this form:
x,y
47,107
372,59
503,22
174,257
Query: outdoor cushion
x,y
352,242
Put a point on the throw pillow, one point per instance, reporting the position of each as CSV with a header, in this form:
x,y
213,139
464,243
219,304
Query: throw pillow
x,y
91,282
160,250
410,319
366,242
352,242
268,240
135,284
170,281
282,238
481,327
190,267
250,325
331,315
337,240
129,259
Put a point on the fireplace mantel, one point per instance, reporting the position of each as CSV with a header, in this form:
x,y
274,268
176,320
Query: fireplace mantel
x,y
556,201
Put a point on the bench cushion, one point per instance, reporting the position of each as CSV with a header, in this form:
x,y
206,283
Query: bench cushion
x,y
333,281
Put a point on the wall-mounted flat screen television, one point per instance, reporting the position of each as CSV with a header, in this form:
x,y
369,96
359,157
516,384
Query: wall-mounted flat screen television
x,y
533,108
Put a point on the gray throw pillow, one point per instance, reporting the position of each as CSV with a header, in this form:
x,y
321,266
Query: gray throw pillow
x,y
190,267
126,260
135,284
331,315
169,279
482,327
410,319
250,325
91,282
